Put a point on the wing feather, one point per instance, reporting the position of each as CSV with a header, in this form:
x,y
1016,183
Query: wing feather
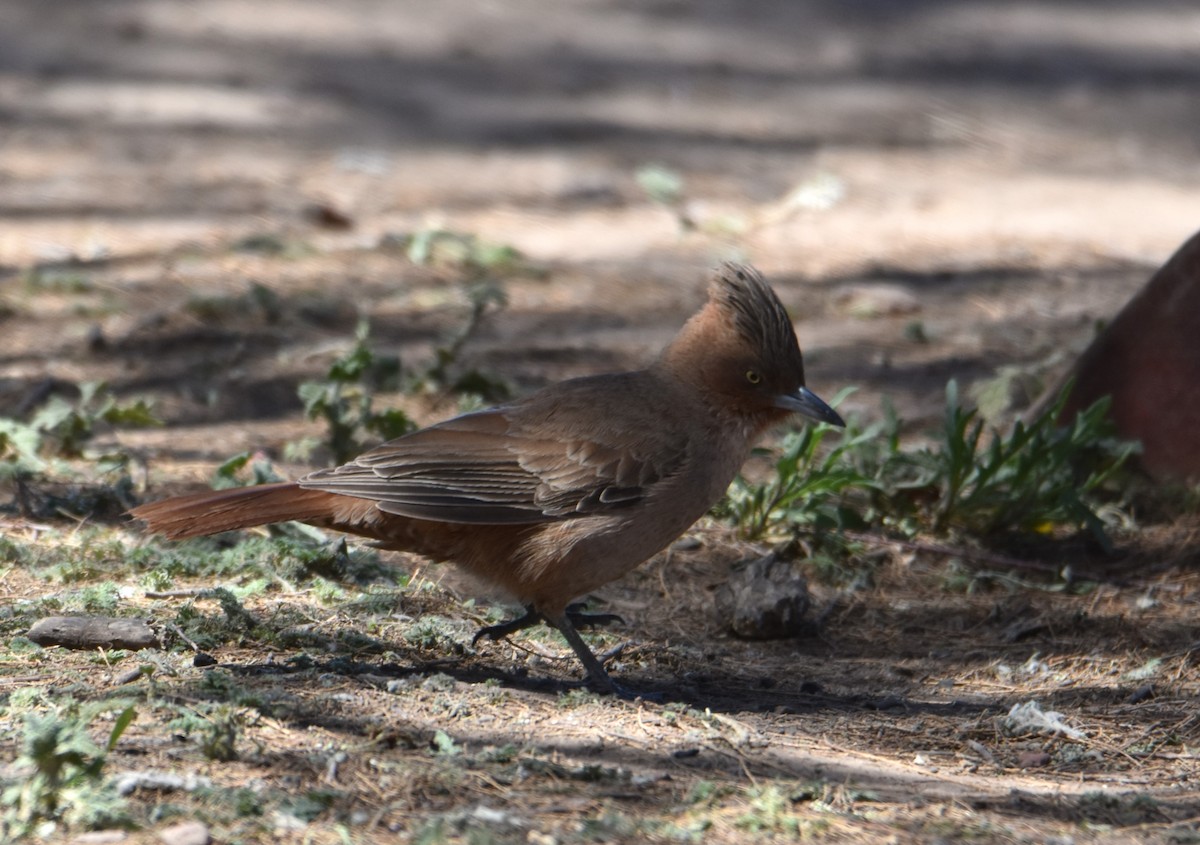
x,y
489,468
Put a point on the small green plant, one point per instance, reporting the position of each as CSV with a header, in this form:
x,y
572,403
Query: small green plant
x,y
218,728
66,426
466,253
20,449
483,297
480,263
1035,478
443,745
62,775
258,300
60,429
102,598
810,482
234,473
770,812
343,398
219,739
236,616
47,280
667,188
431,632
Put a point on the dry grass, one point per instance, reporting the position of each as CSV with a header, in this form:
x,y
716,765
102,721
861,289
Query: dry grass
x,y
377,721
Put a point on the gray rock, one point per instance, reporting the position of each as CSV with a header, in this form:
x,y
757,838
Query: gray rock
x,y
88,633
185,833
766,600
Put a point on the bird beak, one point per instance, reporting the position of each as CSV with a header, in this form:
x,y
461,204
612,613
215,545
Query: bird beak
x,y
805,402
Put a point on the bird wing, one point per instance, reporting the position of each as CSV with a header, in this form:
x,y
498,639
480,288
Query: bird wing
x,y
488,468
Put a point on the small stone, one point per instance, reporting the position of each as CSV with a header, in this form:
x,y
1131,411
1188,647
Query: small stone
x,y
1141,693
686,543
128,677
127,782
766,600
87,633
328,216
185,833
1032,759
96,341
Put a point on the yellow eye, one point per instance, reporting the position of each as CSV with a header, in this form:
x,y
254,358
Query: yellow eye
x,y
753,377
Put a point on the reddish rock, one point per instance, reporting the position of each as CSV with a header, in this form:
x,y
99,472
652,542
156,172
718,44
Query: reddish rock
x,y
1148,360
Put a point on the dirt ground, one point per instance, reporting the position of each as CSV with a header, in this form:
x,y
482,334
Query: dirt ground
x,y
937,190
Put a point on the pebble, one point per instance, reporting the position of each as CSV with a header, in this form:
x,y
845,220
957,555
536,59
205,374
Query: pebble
x,y
185,833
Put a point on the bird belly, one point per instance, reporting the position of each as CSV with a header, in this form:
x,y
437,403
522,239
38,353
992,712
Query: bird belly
x,y
568,559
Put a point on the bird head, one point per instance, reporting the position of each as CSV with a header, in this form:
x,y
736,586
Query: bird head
x,y
741,350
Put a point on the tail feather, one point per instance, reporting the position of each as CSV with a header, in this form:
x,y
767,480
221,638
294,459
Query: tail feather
x,y
228,510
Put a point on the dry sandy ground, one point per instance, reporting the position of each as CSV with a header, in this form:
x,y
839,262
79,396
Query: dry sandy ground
x,y
937,190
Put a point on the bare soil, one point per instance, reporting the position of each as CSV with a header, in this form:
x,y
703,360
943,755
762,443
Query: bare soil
x,y
937,190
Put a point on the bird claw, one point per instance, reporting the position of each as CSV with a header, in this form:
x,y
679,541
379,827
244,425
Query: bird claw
x,y
597,678
503,629
531,617
591,620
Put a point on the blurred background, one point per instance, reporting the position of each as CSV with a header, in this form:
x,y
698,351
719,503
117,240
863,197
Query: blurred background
x,y
938,189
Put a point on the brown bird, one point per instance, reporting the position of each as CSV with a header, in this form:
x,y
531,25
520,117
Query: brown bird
x,y
556,494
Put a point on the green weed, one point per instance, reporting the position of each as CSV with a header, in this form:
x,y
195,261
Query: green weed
x,y
770,811
217,727
483,297
667,188
39,450
810,484
466,253
244,470
432,632
257,301
55,281
63,427
443,745
62,774
1035,478
343,398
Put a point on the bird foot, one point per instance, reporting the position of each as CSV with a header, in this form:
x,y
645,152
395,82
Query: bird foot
x,y
499,631
591,620
597,677
607,685
531,617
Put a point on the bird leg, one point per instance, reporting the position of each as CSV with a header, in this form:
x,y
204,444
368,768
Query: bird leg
x,y
531,617
498,632
597,676
591,620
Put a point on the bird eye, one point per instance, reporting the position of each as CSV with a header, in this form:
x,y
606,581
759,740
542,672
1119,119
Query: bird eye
x,y
753,377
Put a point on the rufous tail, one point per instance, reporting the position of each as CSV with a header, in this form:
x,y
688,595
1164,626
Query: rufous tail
x,y
228,510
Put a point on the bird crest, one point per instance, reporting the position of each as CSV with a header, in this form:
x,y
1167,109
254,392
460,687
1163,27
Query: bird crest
x,y
758,315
